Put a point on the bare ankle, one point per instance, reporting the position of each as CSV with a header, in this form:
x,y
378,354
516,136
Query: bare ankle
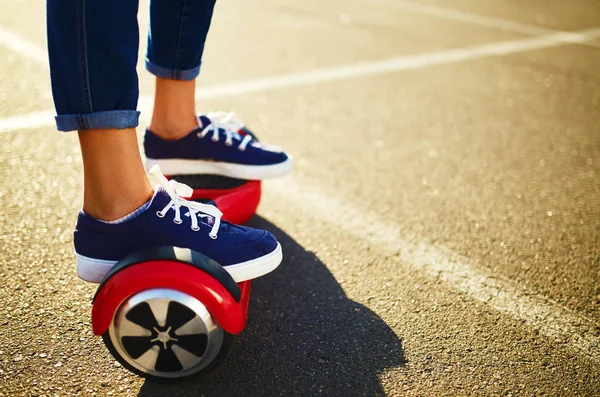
x,y
111,209
173,127
115,182
174,114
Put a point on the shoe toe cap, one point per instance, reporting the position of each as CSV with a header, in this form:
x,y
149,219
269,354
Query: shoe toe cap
x,y
245,243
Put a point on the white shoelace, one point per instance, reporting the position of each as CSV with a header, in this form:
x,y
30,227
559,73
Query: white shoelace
x,y
230,124
178,191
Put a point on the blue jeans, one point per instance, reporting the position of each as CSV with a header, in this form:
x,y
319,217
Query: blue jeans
x,y
93,47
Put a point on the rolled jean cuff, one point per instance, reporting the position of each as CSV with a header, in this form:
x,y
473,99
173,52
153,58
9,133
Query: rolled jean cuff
x,y
118,119
172,74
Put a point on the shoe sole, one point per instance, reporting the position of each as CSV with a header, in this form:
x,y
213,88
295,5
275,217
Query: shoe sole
x,y
93,270
240,171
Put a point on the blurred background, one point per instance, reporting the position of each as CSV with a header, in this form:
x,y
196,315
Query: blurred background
x,y
441,228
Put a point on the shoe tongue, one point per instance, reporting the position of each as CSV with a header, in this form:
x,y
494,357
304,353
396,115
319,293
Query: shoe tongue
x,y
161,198
203,121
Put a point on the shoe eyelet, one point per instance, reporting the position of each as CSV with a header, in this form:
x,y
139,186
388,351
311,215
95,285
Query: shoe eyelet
x,y
195,228
214,238
199,135
160,214
179,222
228,144
214,140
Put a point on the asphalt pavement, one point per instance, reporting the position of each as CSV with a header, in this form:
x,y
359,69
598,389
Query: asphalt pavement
x,y
441,229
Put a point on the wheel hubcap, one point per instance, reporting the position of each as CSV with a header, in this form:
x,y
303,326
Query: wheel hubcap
x,y
165,333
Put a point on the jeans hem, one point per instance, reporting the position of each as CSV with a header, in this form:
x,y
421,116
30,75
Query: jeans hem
x,y
172,74
118,119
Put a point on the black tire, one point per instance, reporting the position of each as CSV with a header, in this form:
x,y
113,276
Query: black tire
x,y
226,347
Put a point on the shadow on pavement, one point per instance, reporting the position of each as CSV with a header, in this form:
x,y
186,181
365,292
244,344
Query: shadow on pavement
x,y
304,337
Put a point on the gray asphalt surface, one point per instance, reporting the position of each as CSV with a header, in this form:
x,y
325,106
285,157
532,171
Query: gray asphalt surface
x,y
490,163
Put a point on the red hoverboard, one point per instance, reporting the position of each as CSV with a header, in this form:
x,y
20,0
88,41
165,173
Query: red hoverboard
x,y
168,312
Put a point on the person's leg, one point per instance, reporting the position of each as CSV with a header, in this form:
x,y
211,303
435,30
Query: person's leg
x,y
178,140
174,112
93,46
115,182
178,30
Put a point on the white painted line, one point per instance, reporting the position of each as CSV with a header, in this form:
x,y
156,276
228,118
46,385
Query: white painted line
x,y
461,16
396,64
23,47
475,19
27,121
358,70
549,318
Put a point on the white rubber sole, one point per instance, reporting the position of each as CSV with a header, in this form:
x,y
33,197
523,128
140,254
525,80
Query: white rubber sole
x,y
93,270
240,171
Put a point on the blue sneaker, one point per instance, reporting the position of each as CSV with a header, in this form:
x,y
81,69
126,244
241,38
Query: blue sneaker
x,y
219,146
169,219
